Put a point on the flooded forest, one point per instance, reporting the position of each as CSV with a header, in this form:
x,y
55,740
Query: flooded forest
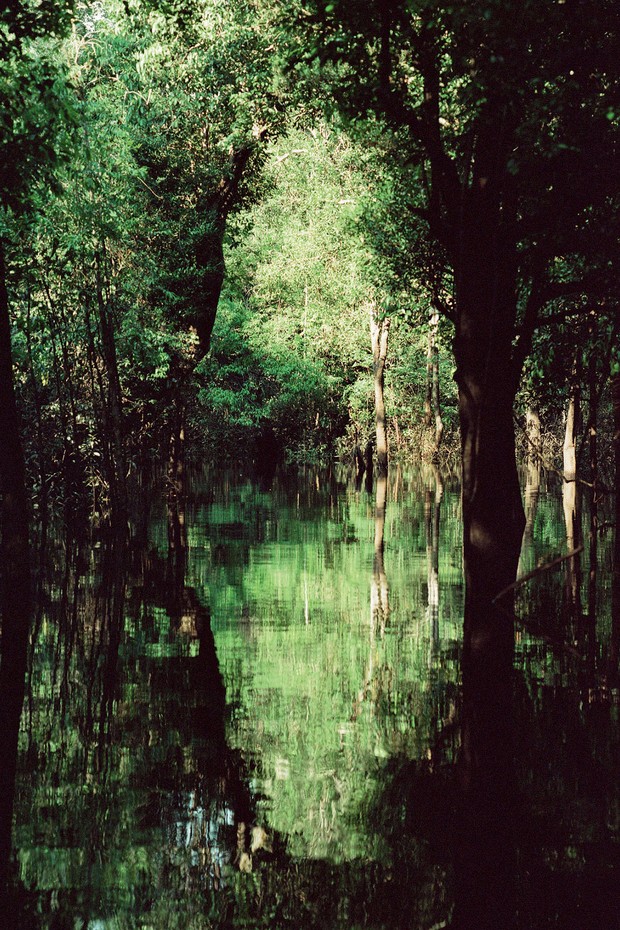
x,y
309,465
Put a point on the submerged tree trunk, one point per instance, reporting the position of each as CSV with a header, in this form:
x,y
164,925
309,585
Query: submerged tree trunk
x,y
15,589
379,329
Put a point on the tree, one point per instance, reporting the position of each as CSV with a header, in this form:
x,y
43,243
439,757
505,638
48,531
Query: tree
x,y
507,115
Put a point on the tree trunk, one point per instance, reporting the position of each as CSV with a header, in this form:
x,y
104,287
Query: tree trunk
x,y
428,398
493,517
15,589
379,329
211,270
571,428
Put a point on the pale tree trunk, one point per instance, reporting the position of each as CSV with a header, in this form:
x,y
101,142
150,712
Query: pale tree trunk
x,y
379,329
571,498
571,428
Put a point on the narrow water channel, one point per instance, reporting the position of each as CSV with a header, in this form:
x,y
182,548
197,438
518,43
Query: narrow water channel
x,y
260,728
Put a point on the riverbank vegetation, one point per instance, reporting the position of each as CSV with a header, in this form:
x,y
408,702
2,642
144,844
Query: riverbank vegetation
x,y
167,145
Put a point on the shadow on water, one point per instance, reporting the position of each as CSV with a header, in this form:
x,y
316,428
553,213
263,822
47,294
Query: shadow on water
x,y
219,733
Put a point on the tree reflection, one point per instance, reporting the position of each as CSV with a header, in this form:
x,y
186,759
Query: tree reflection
x,y
432,518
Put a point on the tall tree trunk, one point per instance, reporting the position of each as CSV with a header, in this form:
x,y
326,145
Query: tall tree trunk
x,y
379,329
15,588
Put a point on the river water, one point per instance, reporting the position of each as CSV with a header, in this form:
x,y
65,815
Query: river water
x,y
259,728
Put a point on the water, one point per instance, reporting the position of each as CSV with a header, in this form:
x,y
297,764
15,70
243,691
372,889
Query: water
x,y
261,731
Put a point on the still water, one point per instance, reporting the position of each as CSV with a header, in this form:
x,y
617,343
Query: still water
x,y
259,728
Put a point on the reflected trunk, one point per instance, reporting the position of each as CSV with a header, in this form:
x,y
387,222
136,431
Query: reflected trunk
x,y
571,502
379,602
379,598
432,514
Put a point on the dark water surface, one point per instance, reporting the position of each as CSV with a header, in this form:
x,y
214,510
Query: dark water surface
x,y
262,730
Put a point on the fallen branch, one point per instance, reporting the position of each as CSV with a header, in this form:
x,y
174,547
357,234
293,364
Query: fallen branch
x,y
537,571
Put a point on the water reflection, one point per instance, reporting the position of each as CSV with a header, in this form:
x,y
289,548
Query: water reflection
x,y
215,735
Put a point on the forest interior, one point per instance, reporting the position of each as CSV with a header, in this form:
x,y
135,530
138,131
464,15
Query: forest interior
x,y
309,464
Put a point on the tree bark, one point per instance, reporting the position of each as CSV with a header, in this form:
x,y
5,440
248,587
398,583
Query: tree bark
x,y
379,329
15,587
